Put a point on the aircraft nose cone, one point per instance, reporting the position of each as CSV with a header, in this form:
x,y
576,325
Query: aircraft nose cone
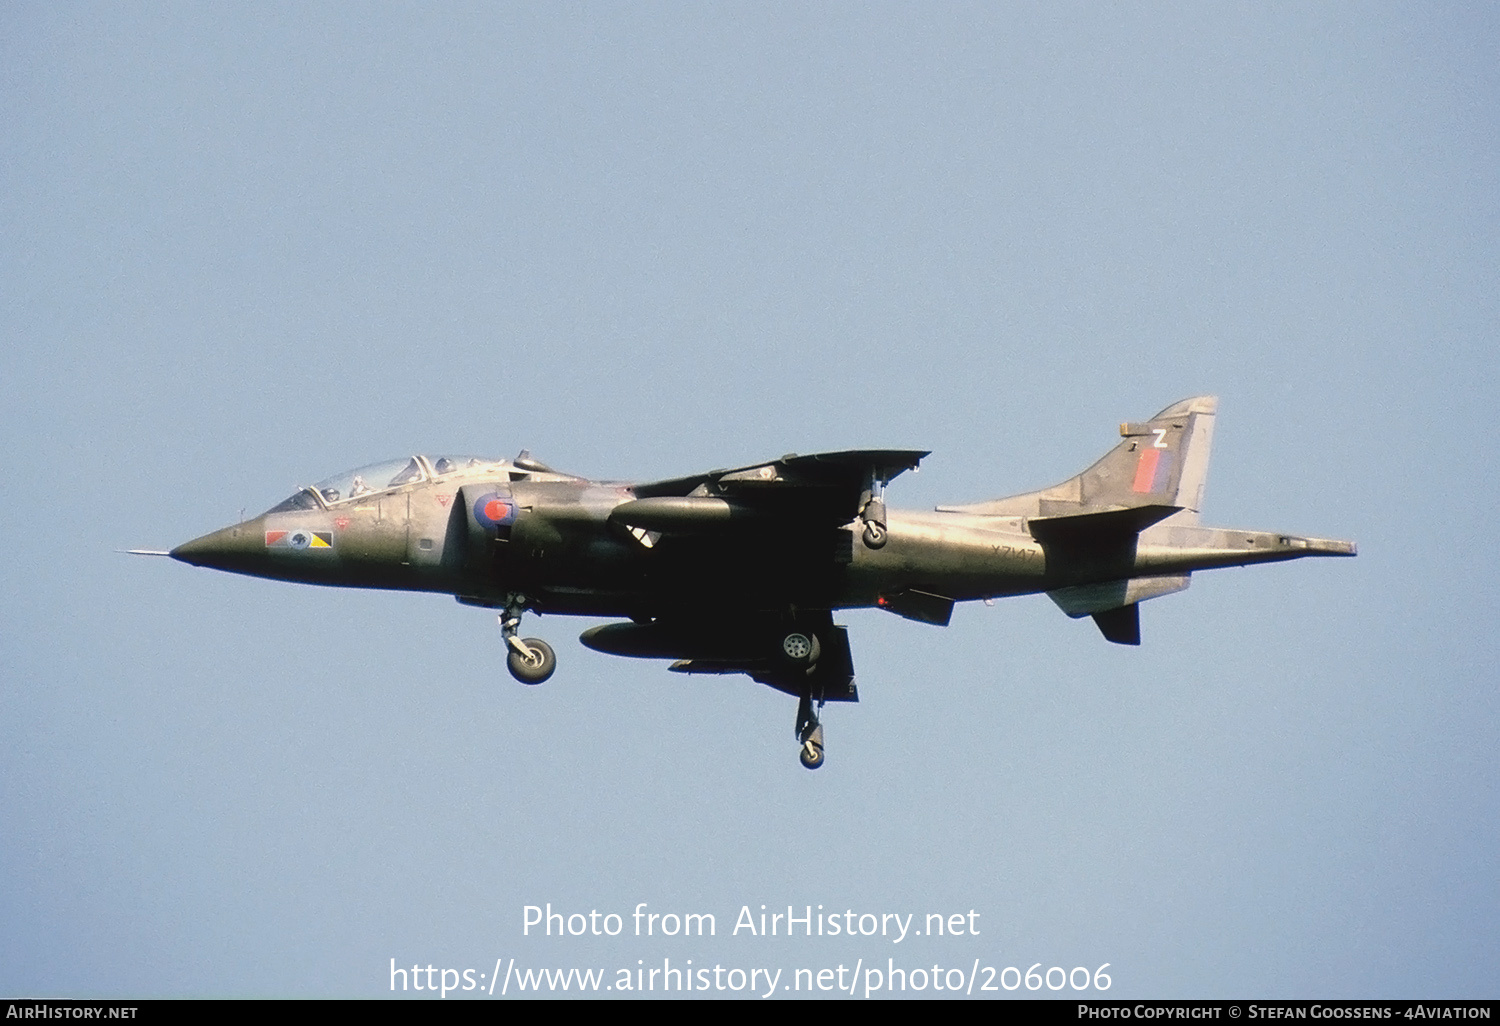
x,y
233,548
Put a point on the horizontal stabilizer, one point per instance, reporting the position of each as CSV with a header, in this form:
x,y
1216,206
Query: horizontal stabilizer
x,y
1115,605
1122,626
1065,529
1088,599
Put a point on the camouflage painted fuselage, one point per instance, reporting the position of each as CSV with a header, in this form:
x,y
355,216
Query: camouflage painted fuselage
x,y
1124,530
711,569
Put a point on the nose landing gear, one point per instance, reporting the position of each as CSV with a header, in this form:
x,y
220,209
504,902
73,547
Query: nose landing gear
x,y
534,667
531,660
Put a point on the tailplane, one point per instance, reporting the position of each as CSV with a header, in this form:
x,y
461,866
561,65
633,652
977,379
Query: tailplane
x,y
1088,525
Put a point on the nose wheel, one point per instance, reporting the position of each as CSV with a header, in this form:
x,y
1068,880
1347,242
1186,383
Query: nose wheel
x,y
536,665
531,660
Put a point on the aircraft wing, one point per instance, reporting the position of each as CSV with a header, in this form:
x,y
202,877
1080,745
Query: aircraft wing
x,y
828,486
739,644
832,679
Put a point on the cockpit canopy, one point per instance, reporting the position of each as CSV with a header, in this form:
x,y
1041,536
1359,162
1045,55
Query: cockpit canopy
x,y
377,478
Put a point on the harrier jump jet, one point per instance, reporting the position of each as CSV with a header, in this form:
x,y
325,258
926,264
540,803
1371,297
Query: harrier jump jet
x,y
740,570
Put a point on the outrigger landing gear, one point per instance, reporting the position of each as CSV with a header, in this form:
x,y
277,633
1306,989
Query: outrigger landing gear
x,y
809,732
872,514
531,660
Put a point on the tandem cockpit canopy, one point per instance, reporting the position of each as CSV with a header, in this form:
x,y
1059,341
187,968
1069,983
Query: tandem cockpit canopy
x,y
375,479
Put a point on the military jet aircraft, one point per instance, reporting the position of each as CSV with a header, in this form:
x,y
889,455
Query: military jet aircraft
x,y
740,570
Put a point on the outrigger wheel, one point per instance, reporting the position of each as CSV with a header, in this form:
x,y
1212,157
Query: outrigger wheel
x,y
809,733
812,748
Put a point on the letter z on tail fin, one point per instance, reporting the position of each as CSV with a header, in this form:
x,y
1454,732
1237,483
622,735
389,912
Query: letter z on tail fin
x,y
1163,461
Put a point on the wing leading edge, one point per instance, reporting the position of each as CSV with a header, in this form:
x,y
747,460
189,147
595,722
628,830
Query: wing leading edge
x,y
849,473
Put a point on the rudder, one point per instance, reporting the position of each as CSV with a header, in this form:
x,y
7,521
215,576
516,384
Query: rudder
x,y
1162,461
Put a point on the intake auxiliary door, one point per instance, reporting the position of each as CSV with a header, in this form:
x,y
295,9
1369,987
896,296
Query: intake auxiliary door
x,y
489,512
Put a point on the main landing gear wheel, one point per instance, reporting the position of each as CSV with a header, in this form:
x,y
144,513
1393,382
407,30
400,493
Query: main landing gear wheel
x,y
875,535
800,649
534,667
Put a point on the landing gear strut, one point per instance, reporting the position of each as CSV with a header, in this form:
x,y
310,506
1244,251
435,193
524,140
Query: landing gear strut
x,y
531,660
809,732
872,514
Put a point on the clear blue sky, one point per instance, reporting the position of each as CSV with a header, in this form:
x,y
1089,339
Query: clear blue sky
x,y
243,248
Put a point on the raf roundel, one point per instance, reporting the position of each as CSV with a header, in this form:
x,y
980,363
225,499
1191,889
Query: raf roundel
x,y
493,510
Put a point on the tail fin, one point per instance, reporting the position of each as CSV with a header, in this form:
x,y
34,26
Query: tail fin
x,y
1088,524
1161,462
